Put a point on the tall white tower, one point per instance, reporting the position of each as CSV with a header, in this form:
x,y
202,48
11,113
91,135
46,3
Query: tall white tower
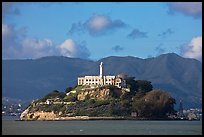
x,y
101,70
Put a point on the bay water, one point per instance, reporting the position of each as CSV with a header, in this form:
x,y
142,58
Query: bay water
x,y
11,126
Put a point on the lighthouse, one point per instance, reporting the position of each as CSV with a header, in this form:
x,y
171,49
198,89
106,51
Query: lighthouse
x,y
101,69
101,74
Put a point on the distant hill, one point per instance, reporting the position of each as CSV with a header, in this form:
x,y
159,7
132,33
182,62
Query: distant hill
x,y
34,78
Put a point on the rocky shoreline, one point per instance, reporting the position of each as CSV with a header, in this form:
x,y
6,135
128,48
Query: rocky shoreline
x,y
98,118
51,116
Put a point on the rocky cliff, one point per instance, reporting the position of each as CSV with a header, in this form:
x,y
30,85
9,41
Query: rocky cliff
x,y
38,115
100,93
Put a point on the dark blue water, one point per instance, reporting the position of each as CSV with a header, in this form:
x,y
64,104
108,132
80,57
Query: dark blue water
x,y
101,127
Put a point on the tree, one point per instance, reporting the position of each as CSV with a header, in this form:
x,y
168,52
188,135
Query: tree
x,y
138,85
143,86
68,89
156,103
70,98
131,84
125,107
126,96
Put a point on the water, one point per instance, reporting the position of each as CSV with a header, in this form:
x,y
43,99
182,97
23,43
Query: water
x,y
101,127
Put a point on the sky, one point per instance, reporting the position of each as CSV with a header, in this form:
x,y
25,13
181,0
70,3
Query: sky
x,y
94,30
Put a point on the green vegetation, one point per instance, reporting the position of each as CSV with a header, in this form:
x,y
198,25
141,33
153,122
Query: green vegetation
x,y
55,94
80,87
138,85
70,98
142,99
68,89
156,103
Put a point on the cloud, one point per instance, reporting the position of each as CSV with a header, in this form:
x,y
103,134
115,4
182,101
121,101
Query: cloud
x,y
193,9
193,49
77,28
159,49
36,48
137,34
117,48
17,45
166,33
7,31
11,40
97,25
8,9
70,48
100,24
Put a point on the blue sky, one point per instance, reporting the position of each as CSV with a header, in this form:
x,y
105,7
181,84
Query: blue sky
x,y
93,30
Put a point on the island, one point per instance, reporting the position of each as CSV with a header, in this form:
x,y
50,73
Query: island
x,y
104,98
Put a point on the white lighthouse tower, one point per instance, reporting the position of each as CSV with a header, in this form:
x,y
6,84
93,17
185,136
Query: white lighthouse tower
x,y
101,69
101,74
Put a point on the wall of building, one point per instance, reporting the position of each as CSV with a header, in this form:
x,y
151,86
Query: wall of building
x,y
97,80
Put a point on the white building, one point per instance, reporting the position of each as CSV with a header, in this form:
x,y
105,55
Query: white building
x,y
102,80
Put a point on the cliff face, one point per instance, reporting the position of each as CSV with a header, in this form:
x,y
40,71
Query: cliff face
x,y
38,115
94,94
99,94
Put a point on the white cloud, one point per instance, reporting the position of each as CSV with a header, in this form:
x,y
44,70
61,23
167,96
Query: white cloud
x,y
9,41
5,30
67,48
193,49
70,48
35,48
101,24
187,8
17,45
98,22
97,25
